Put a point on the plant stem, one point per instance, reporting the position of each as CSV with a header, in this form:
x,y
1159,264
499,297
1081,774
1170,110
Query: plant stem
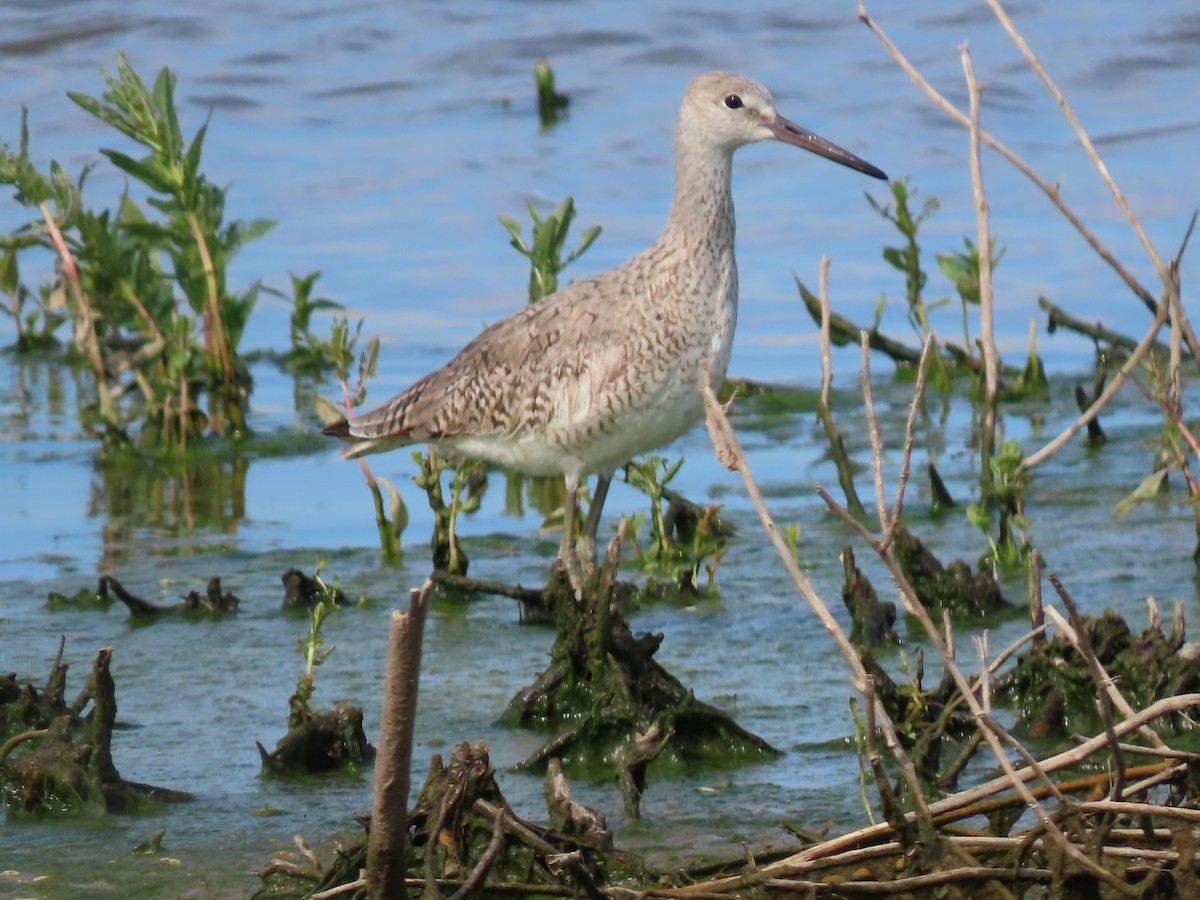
x,y
214,332
90,342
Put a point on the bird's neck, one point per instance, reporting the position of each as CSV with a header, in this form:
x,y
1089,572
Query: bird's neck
x,y
702,210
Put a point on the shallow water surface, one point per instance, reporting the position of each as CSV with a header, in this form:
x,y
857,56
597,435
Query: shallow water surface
x,y
386,140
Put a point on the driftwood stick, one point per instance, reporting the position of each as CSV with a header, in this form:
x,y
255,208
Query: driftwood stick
x,y
532,596
1057,317
480,872
386,850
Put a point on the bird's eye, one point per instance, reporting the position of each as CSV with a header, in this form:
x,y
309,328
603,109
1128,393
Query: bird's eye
x,y
733,101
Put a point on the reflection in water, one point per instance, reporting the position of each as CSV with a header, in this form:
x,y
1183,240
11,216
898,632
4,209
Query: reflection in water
x,y
35,388
166,498
545,494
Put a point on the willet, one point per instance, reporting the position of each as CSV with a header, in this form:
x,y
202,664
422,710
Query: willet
x,y
609,367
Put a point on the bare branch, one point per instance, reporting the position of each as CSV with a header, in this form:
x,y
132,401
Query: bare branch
x,y
873,430
1107,394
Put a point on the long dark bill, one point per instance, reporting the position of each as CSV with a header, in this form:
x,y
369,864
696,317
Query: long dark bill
x,y
791,133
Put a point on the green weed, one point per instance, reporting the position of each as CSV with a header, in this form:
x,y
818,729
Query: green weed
x,y
545,250
153,317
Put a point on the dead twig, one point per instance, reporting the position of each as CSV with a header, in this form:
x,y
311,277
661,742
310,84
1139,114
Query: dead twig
x,y
1107,394
1101,679
983,237
837,446
994,733
730,454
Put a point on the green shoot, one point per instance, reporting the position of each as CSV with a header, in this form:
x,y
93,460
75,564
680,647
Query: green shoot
x,y
309,352
907,258
551,104
1004,496
313,649
684,538
963,271
545,252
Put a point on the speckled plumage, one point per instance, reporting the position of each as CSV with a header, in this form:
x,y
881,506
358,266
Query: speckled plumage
x,y
608,367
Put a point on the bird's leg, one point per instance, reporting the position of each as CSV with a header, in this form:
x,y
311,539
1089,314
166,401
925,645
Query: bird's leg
x,y
587,537
566,549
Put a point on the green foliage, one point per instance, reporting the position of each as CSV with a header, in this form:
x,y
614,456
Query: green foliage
x,y
683,538
551,104
390,529
1030,383
467,487
1001,509
36,316
545,252
651,475
1149,490
121,270
907,258
34,188
791,535
962,268
342,342
308,352
312,648
339,351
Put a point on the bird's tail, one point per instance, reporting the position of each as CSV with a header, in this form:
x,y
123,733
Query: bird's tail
x,y
360,446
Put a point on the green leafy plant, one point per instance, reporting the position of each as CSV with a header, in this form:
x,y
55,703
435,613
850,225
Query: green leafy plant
x,y
193,234
313,649
651,475
1031,382
546,262
545,250
36,316
340,350
907,258
153,356
684,539
962,268
467,487
1000,510
308,353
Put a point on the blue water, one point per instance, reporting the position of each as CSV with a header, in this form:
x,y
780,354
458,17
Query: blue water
x,y
385,139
